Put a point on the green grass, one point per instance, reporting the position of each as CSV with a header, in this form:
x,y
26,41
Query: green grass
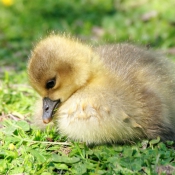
x,y
25,149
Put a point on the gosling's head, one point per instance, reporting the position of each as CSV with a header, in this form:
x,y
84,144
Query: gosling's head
x,y
58,67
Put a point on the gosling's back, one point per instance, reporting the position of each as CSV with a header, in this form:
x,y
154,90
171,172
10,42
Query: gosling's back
x,y
148,78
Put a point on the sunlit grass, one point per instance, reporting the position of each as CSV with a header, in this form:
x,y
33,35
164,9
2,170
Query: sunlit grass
x,y
27,150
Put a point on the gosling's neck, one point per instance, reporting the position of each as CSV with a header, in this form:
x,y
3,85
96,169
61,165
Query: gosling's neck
x,y
99,74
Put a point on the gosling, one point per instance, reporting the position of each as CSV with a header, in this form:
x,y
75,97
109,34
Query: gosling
x,y
111,93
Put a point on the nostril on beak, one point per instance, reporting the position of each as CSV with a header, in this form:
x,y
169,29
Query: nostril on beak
x,y
46,108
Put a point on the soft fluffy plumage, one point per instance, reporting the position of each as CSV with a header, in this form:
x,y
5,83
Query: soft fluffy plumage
x,y
111,93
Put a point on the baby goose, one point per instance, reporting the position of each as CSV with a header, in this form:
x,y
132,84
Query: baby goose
x,y
112,93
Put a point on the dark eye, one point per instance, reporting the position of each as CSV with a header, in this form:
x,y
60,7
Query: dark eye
x,y
50,84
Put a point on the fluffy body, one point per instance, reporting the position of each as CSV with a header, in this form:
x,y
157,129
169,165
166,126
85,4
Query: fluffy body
x,y
112,93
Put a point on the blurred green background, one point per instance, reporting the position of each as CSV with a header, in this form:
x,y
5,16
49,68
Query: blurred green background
x,y
23,22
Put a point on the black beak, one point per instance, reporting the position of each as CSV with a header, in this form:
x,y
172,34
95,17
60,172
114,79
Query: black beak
x,y
49,107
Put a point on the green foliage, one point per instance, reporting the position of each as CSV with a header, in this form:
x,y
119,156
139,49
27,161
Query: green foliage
x,y
24,149
143,22
16,95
